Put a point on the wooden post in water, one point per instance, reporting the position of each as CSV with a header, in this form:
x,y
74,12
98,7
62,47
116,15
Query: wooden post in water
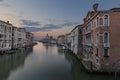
x,y
115,75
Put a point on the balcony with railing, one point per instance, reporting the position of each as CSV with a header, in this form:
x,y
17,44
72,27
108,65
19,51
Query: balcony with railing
x,y
106,45
88,42
88,29
96,45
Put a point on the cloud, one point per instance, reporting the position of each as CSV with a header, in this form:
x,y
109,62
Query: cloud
x,y
1,0
50,27
69,24
5,5
58,26
30,23
32,29
12,14
47,27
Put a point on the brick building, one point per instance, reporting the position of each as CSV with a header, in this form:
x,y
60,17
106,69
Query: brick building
x,y
101,39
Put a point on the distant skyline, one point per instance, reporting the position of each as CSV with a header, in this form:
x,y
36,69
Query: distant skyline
x,y
54,17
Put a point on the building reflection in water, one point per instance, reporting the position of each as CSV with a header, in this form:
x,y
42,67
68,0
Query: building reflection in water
x,y
47,46
12,61
79,73
57,64
60,50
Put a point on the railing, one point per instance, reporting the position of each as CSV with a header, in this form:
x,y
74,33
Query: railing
x,y
87,43
1,38
96,45
87,32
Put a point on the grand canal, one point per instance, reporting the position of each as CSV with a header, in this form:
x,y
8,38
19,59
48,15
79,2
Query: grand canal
x,y
44,62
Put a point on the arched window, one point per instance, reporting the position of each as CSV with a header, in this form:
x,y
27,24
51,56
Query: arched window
x,y
80,31
106,37
97,22
106,42
106,20
97,38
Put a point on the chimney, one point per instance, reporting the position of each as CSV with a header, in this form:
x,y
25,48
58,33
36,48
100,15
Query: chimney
x,y
8,22
84,20
95,7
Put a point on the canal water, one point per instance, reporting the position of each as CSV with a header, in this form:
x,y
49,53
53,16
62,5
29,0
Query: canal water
x,y
44,62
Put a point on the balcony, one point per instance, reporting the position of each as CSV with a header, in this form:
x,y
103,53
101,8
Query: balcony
x,y
106,45
87,32
88,29
1,38
96,45
88,44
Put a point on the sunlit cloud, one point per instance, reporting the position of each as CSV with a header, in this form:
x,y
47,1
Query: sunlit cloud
x,y
33,29
51,27
28,23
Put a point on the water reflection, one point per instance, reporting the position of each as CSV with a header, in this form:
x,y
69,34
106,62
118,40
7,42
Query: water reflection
x,y
79,73
60,50
42,66
47,62
12,62
48,46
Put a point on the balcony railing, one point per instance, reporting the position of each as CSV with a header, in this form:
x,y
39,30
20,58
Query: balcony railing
x,y
87,43
87,32
96,45
106,45
1,38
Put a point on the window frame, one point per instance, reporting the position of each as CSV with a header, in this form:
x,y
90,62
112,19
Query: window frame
x,y
108,54
107,42
108,20
108,39
97,21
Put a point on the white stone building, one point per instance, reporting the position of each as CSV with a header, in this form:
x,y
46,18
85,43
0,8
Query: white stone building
x,y
68,40
12,37
61,40
21,37
73,40
75,35
29,39
15,36
5,36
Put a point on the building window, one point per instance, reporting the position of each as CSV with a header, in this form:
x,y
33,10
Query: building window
x,y
106,52
106,37
97,51
80,31
2,45
97,60
97,22
97,38
106,20
106,44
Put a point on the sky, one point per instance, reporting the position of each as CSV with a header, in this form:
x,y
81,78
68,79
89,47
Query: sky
x,y
55,17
